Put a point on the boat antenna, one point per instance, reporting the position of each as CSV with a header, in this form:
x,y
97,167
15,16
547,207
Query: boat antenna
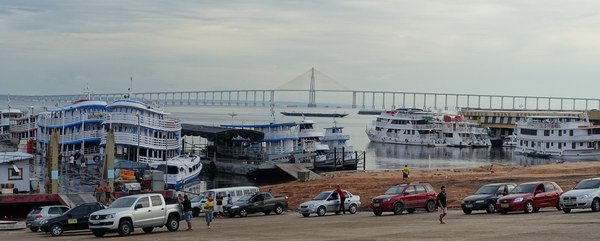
x,y
8,96
334,122
130,87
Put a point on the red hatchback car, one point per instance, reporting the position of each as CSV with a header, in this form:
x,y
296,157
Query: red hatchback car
x,y
405,197
530,197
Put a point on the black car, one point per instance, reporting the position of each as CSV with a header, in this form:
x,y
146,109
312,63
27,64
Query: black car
x,y
75,219
485,197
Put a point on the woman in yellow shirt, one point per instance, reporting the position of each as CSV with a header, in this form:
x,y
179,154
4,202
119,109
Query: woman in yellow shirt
x,y
208,210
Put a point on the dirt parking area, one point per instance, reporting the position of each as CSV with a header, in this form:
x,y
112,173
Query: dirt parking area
x,y
546,225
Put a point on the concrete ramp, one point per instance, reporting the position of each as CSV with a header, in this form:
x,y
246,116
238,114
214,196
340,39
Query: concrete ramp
x,y
292,169
76,199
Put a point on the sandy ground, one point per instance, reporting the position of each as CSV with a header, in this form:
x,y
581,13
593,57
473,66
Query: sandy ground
x,y
546,225
459,182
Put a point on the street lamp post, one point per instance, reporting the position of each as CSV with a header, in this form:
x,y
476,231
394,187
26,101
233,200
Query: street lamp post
x,y
138,137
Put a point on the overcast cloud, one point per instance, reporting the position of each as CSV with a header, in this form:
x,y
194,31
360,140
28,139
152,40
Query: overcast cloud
x,y
496,47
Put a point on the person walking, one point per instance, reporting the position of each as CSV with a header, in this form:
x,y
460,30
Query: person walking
x,y
83,167
229,201
405,173
180,198
441,204
71,162
187,211
219,200
342,196
208,210
98,193
107,191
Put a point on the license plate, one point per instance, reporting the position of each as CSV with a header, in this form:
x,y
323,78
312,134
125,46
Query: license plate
x,y
376,205
72,221
95,222
469,206
504,205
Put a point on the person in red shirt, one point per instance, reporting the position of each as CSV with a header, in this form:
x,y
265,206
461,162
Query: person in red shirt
x,y
342,195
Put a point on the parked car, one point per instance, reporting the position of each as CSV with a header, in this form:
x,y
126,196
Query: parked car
x,y
329,201
235,193
258,202
530,197
485,197
74,219
145,211
586,194
38,214
405,197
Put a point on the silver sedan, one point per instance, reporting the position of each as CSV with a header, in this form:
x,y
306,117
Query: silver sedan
x,y
328,201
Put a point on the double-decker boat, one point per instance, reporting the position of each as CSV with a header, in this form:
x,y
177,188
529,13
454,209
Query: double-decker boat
x,y
6,116
79,128
408,127
557,136
461,133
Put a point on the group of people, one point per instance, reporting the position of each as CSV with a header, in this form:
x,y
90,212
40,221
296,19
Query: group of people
x,y
105,191
211,207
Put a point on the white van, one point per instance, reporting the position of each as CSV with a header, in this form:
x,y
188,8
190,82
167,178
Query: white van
x,y
235,192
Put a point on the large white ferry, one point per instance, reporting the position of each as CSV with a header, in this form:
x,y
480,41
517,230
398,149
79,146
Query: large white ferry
x,y
79,127
142,133
181,170
407,127
558,136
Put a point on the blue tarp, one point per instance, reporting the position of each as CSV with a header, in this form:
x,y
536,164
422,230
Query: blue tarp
x,y
130,165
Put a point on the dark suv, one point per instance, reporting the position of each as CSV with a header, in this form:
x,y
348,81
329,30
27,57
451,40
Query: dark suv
x,y
407,197
75,219
485,197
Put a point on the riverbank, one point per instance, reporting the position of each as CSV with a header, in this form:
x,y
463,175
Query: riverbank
x,y
459,182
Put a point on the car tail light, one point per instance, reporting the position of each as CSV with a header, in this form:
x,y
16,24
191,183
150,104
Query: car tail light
x,y
38,217
286,198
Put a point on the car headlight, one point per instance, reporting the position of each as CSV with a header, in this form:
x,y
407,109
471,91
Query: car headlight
x,y
311,205
387,199
479,201
586,196
109,216
517,200
234,207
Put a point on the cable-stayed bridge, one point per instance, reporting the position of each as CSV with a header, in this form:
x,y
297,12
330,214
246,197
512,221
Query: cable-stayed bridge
x,y
314,83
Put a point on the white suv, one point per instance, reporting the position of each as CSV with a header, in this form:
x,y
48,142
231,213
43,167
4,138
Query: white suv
x,y
586,194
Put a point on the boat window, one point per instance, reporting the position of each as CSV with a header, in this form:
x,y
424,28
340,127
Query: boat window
x,y
546,132
570,132
190,169
573,145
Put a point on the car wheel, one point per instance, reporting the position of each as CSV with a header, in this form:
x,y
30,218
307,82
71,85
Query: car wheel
x,y
98,233
503,211
243,212
398,208
321,211
566,210
430,207
196,212
491,208
125,228
34,229
173,223
352,209
528,207
596,205
558,205
278,209
148,230
467,211
56,230
306,214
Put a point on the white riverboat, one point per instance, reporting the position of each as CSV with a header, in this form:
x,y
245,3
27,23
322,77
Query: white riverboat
x,y
142,133
309,140
557,136
458,132
339,150
406,127
6,116
79,127
182,170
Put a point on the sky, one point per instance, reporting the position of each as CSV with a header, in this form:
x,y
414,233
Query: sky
x,y
544,48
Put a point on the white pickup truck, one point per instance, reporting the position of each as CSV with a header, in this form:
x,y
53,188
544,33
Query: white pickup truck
x,y
145,211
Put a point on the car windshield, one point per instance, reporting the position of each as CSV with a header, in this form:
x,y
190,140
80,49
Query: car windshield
x,y
486,190
246,197
524,188
395,190
322,196
197,198
588,184
123,203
